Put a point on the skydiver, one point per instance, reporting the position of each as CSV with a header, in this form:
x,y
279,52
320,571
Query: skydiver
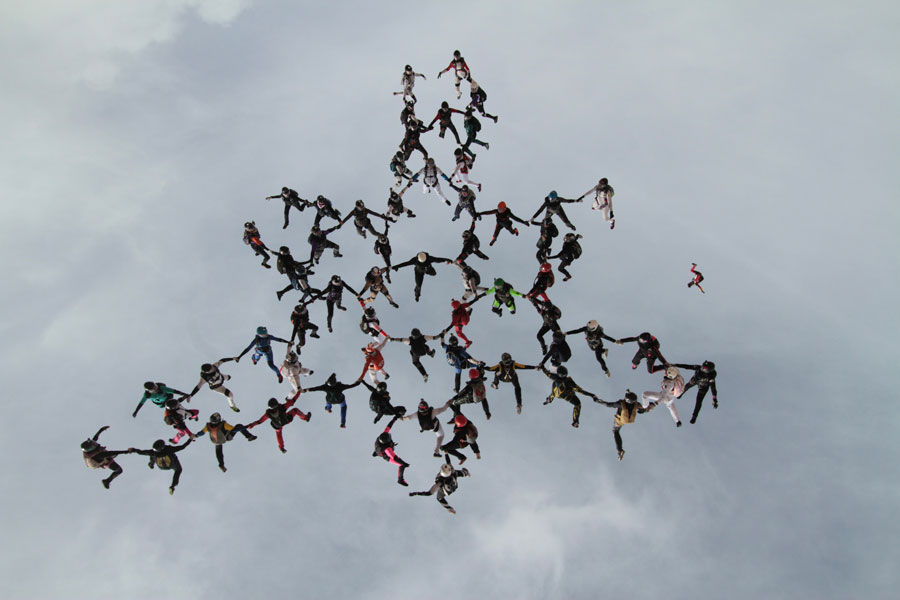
x,y
594,336
671,388
698,277
300,322
318,242
473,392
472,126
648,347
542,281
505,218
553,205
370,325
548,232
362,222
400,170
175,416
157,393
375,284
477,96
262,343
220,432
559,350
464,162
324,208
569,252
505,370
407,82
395,204
380,401
96,456
564,387
279,415
382,247
461,313
457,357
428,421
466,201
215,379
444,484
291,199
471,245
334,294
550,315
503,296
423,264
627,409
603,195
430,173
471,281
164,456
334,394
418,347
408,113
460,69
704,378
374,364
444,119
412,139
297,272
464,434
384,447
292,369
252,239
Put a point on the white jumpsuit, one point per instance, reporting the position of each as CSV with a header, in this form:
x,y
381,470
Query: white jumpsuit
x,y
603,201
293,371
670,389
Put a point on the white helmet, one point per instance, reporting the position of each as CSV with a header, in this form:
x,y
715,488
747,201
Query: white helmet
x,y
672,373
593,325
421,257
446,470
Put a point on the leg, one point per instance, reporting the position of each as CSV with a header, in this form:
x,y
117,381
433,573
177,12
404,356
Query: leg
x,y
598,353
330,305
280,440
439,434
669,400
576,411
116,471
287,210
701,393
618,437
518,391
343,414
565,219
272,366
418,365
176,475
220,456
452,128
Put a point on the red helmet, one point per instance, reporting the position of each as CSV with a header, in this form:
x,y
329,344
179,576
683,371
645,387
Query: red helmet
x,y
454,304
473,373
461,421
501,206
546,268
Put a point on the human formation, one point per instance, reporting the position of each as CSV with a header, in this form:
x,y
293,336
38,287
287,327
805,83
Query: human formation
x,y
451,340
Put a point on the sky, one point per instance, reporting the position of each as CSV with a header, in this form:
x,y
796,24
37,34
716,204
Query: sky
x,y
759,140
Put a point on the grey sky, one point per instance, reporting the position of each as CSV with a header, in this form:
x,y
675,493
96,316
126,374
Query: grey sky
x,y
755,139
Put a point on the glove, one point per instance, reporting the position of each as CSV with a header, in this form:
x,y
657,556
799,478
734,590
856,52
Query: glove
x,y
465,472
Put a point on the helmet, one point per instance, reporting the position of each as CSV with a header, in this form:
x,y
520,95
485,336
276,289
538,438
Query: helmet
x,y
466,189
461,421
423,406
206,368
562,371
506,357
415,332
453,340
149,386
382,386
558,336
89,445
370,347
445,105
645,337
630,397
171,403
473,373
672,373
285,190
159,445
382,239
604,181
315,229
592,325
499,282
466,234
456,53
370,311
570,237
421,256
249,225
407,68
301,308
215,418
291,357
262,331
336,279
446,470
457,152
320,198
553,195
376,271
273,402
708,366
284,250
546,268
454,304
430,161
384,439
501,206
360,204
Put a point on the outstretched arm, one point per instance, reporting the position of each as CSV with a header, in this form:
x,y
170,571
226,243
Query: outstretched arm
x,y
99,431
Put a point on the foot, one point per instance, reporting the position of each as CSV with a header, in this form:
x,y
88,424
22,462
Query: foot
x,y
252,438
387,375
395,305
454,218
479,186
425,378
105,483
267,265
279,294
693,419
607,372
451,510
621,454
280,378
253,360
314,334
447,202
612,225
462,460
488,417
308,416
486,147
492,241
468,343
342,308
223,468
437,455
235,409
678,424
337,254
402,482
518,409
410,214
575,424
343,426
330,330
417,298
567,277
173,441
328,409
547,401
283,451
495,119
516,231
171,490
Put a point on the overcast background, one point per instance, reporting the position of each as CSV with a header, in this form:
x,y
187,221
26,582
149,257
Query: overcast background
x,y
756,139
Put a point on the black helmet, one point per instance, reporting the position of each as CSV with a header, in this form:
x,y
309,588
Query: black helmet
x,y
382,239
89,445
215,418
381,386
149,386
645,337
570,237
360,204
171,403
336,279
445,105
159,445
206,368
369,311
273,402
604,181
453,340
456,53
384,439
407,68
506,357
630,397
423,406
415,332
466,234
562,371
285,190
301,309
284,250
249,225
320,198
558,336
708,366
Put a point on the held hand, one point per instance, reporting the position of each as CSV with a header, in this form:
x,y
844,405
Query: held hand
x,y
619,343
